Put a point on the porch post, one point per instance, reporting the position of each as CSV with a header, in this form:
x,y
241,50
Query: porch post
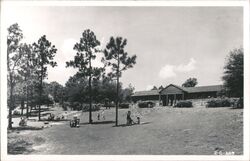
x,y
174,99
167,100
159,99
182,96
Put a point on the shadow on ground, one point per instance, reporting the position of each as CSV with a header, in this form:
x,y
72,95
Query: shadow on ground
x,y
98,123
18,148
124,125
235,108
26,128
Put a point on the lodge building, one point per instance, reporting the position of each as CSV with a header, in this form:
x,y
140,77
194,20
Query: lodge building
x,y
173,93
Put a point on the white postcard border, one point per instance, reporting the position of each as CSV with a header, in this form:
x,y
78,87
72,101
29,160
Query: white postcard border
x,y
4,156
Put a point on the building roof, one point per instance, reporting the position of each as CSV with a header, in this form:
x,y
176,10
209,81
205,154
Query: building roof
x,y
203,89
147,93
198,89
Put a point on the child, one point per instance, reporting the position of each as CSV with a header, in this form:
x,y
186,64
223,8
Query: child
x,y
98,116
138,120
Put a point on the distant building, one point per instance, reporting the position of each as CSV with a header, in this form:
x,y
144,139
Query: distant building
x,y
146,95
172,93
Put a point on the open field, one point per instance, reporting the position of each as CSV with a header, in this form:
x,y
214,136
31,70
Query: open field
x,y
164,131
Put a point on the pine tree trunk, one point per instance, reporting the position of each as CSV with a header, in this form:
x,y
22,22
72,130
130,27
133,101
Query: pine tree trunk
x,y
11,103
27,102
40,95
117,92
11,91
40,101
90,92
31,100
22,107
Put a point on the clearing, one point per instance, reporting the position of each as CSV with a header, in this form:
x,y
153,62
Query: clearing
x,y
163,131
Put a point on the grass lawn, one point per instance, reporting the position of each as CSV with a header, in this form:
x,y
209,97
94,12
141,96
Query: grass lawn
x,y
164,131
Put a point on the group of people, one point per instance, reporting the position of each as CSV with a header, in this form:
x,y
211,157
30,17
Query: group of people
x,y
52,117
130,121
75,122
101,115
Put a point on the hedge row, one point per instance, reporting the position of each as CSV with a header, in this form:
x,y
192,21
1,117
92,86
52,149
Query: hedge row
x,y
79,106
146,104
184,104
124,105
225,102
95,107
219,103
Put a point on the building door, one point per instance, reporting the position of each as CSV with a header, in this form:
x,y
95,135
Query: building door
x,y
170,100
164,100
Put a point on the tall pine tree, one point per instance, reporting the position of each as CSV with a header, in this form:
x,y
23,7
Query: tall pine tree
x,y
14,56
86,51
44,55
118,59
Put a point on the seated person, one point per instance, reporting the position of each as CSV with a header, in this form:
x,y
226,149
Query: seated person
x,y
23,122
57,118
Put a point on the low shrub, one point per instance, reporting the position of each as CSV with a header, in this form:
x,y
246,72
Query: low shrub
x,y
64,106
146,104
15,112
240,103
72,105
184,103
124,105
76,106
220,102
109,105
95,107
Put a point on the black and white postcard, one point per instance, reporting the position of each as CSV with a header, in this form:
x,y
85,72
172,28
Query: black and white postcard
x,y
125,80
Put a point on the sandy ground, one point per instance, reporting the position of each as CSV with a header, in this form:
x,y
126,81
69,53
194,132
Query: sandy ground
x,y
164,131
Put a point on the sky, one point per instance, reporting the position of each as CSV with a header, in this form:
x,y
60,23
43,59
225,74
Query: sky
x,y
172,44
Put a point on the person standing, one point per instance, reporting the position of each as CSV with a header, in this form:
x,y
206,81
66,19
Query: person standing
x,y
129,119
103,115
